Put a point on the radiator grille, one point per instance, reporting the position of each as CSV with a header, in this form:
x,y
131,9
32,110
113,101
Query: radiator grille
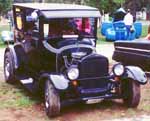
x,y
92,67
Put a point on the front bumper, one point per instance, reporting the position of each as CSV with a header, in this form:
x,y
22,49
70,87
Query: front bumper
x,y
82,92
86,88
85,99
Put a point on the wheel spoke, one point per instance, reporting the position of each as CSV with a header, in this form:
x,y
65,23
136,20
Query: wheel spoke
x,y
46,99
46,104
7,68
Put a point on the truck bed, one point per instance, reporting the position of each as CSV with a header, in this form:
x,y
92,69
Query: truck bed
x,y
135,52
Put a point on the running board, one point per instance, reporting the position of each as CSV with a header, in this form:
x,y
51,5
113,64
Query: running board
x,y
26,81
28,84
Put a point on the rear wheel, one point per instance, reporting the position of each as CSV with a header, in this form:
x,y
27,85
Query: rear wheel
x,y
9,68
52,100
131,92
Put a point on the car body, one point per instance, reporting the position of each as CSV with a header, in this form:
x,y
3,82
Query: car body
x,y
116,29
133,53
7,36
148,35
54,52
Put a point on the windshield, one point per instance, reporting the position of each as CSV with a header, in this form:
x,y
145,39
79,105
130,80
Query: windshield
x,y
84,27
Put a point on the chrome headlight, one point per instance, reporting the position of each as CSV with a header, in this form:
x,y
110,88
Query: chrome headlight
x,y
73,73
118,69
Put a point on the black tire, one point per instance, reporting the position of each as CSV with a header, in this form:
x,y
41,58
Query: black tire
x,y
9,68
52,100
131,93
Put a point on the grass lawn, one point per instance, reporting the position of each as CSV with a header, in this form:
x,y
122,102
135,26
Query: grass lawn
x,y
144,30
16,96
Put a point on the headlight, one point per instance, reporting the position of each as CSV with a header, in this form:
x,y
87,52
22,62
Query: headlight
x,y
118,69
73,73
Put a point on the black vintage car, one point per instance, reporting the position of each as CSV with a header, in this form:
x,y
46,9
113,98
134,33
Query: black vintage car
x,y
135,53
54,53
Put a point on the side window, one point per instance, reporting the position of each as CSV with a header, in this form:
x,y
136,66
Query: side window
x,y
19,22
19,19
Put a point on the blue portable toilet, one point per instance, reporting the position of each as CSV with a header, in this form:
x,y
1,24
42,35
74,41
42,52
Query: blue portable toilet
x,y
105,26
121,31
138,28
116,30
110,34
131,35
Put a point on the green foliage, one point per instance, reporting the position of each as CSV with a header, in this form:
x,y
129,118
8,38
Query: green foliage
x,y
5,6
148,7
119,1
144,31
106,5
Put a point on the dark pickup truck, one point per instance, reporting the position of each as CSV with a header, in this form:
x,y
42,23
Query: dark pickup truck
x,y
135,52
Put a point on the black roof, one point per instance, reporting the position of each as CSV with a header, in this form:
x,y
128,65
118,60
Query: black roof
x,y
56,10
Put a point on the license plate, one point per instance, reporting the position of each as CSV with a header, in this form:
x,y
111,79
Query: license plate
x,y
92,101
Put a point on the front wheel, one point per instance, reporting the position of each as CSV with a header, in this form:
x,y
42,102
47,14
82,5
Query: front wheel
x,y
9,68
131,92
52,100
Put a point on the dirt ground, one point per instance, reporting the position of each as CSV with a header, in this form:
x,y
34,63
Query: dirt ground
x,y
111,110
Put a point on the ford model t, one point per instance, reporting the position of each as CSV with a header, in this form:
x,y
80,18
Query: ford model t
x,y
54,53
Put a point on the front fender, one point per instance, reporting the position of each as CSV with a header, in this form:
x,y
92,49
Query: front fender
x,y
136,74
59,81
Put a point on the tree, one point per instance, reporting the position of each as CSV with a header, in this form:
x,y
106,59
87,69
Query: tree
x,y
135,5
106,5
5,6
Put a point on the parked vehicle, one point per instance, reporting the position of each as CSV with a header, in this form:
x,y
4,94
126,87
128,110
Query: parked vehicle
x,y
7,37
148,34
54,53
133,53
116,30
